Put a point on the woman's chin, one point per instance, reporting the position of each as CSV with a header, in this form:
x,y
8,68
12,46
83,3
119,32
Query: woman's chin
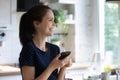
x,y
50,34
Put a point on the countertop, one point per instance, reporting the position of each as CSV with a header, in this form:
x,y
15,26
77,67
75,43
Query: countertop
x,y
12,70
9,70
79,66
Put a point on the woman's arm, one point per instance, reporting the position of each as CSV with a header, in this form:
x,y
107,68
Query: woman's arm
x,y
61,74
28,73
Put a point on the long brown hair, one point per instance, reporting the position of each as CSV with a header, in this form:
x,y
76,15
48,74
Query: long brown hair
x,y
26,27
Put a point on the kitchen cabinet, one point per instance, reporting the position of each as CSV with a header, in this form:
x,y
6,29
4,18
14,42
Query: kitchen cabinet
x,y
7,12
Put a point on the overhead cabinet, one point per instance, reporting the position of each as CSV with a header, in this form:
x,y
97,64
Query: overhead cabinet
x,y
7,9
24,5
5,12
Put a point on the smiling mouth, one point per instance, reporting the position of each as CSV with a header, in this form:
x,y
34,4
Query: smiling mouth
x,y
51,30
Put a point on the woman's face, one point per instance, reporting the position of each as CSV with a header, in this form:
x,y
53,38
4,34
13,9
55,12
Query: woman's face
x,y
46,26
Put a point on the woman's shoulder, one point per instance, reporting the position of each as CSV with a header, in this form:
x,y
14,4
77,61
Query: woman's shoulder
x,y
53,48
28,46
51,45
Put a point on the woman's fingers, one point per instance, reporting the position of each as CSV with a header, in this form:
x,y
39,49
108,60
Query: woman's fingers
x,y
56,63
57,57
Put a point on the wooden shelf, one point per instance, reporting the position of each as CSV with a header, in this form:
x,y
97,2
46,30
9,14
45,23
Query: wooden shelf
x,y
60,34
61,1
70,21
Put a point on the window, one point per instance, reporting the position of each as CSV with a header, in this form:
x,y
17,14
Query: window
x,y
111,32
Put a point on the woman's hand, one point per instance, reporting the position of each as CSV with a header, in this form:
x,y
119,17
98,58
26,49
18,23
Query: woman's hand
x,y
56,63
69,62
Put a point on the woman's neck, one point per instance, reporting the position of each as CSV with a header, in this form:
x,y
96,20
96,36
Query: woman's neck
x,y
40,42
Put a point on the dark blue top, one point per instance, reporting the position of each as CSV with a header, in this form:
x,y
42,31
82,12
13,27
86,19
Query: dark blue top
x,y
30,55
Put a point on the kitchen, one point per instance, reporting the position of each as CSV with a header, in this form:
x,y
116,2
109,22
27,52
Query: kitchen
x,y
83,33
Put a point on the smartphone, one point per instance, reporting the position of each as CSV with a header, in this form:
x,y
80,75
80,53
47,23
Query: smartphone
x,y
64,54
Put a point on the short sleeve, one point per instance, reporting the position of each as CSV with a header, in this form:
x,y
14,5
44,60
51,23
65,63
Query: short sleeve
x,y
26,57
55,50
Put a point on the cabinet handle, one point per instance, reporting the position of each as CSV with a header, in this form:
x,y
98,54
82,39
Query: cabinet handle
x,y
2,34
3,26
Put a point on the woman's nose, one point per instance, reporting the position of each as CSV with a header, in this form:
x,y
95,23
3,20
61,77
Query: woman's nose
x,y
53,23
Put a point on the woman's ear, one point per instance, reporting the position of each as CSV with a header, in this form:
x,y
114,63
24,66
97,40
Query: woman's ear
x,y
36,23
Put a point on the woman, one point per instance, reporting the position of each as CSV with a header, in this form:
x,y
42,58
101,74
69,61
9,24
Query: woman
x,y
39,60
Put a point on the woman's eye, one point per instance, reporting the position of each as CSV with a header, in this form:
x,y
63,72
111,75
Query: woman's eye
x,y
50,19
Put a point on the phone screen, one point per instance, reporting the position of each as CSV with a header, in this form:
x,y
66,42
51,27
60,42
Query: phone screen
x,y
64,54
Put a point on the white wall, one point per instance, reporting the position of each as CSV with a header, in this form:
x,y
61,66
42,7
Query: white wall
x,y
86,30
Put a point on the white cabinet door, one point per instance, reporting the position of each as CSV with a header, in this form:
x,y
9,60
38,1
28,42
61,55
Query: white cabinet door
x,y
5,12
